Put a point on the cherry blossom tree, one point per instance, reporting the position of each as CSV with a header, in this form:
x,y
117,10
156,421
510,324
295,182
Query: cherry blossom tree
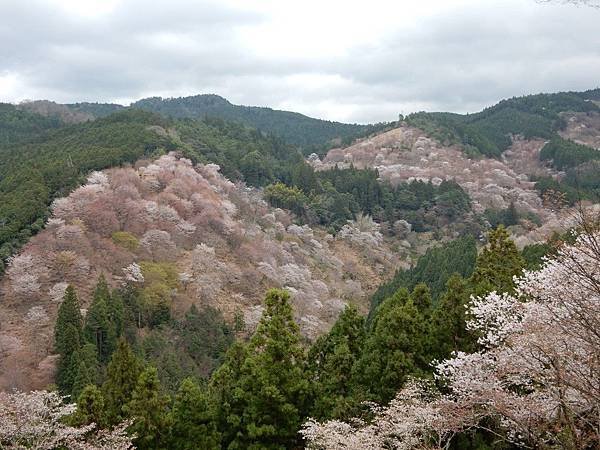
x,y
24,272
36,420
536,372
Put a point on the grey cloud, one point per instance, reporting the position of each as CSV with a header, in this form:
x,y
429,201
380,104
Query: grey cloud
x,y
461,60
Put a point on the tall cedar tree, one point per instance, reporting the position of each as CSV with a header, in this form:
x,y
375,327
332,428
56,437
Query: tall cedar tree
x,y
99,328
67,340
193,419
122,375
87,369
90,407
449,327
149,409
330,364
395,349
270,398
497,264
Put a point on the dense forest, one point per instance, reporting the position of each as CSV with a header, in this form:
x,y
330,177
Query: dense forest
x,y
489,132
295,128
476,345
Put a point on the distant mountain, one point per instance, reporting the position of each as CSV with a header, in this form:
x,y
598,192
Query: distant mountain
x,y
489,132
293,127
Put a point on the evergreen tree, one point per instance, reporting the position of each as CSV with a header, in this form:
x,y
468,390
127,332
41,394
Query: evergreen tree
x,y
69,313
396,348
99,329
85,366
270,398
90,407
449,320
421,298
122,374
193,419
68,362
149,409
229,408
497,264
330,364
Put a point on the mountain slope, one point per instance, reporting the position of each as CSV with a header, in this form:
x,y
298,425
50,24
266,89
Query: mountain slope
x,y
295,128
199,240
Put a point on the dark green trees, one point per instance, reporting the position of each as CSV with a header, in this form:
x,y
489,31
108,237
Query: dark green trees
x,y
331,359
193,419
149,409
267,400
122,375
497,264
104,320
395,349
67,340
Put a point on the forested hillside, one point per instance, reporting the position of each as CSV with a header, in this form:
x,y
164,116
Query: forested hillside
x,y
190,281
489,131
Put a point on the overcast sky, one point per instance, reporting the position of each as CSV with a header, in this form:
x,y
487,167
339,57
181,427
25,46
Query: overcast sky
x,y
356,61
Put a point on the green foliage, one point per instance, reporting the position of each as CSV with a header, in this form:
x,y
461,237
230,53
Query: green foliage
x,y
100,328
395,349
18,125
507,217
449,332
86,369
265,395
566,154
122,374
331,359
160,280
281,196
497,264
434,269
532,254
295,128
149,409
488,132
193,419
67,341
126,240
90,407
35,172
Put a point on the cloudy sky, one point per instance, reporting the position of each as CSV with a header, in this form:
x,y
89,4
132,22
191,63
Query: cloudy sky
x,y
357,61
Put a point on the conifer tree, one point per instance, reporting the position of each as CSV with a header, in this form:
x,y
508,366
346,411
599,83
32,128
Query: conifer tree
x,y
68,361
421,298
229,408
396,348
449,320
86,369
497,264
149,409
99,329
331,359
90,407
193,419
69,313
270,398
122,374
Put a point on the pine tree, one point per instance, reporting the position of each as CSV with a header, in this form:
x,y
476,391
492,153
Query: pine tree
x,y
85,368
68,361
396,348
149,409
193,419
99,329
497,264
122,375
90,407
421,298
270,398
331,359
69,313
449,330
